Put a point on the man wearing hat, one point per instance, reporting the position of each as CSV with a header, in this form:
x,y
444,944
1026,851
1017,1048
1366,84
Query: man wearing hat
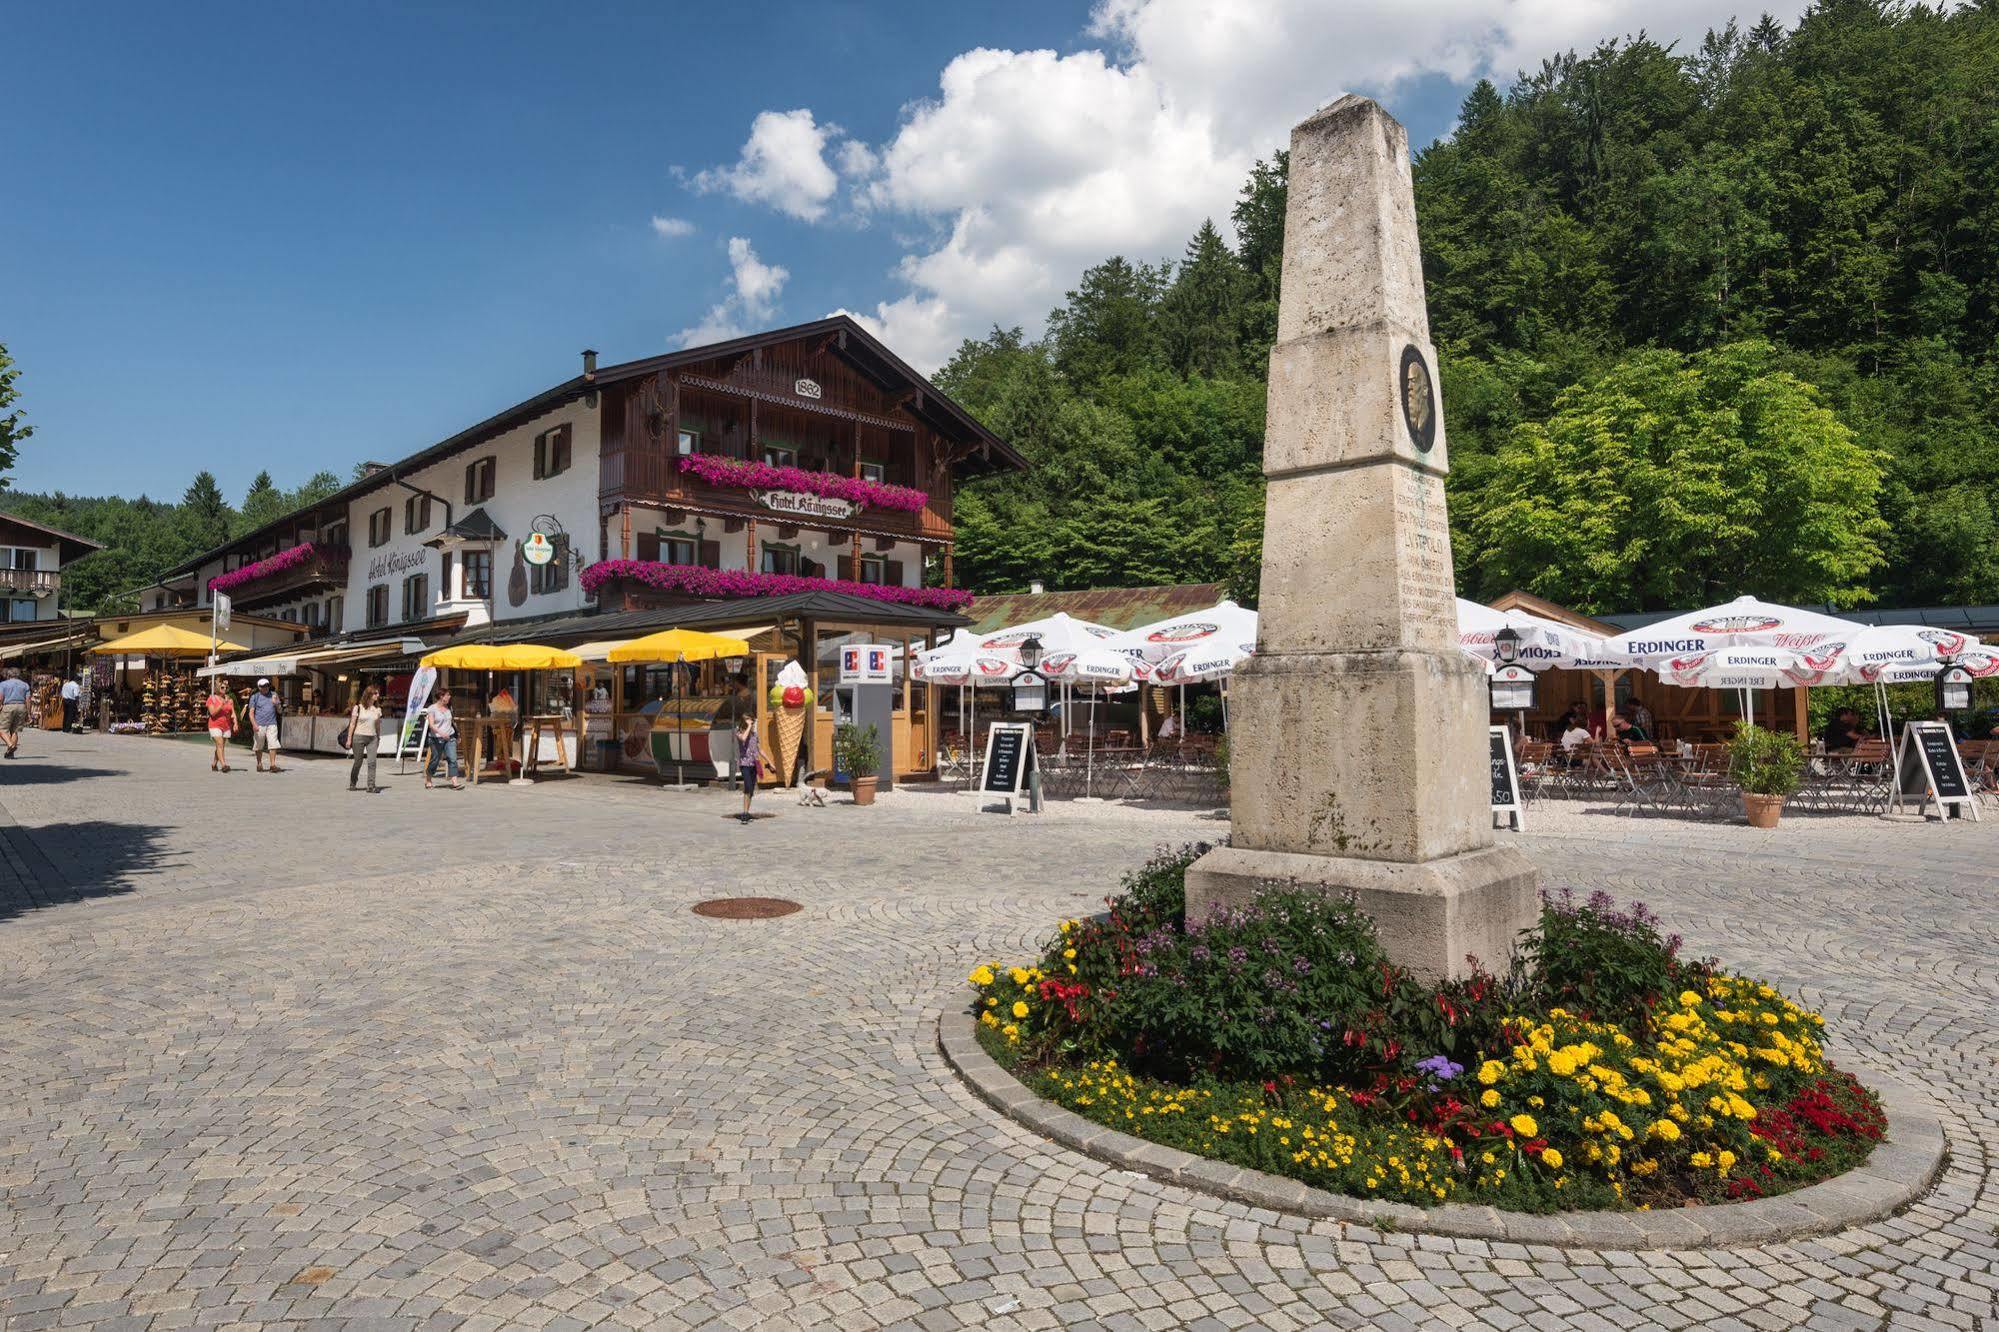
x,y
265,714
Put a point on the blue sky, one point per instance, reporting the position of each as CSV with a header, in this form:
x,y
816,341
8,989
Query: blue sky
x,y
295,238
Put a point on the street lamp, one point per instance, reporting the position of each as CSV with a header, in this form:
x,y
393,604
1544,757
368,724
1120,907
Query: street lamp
x,y
1030,690
1507,644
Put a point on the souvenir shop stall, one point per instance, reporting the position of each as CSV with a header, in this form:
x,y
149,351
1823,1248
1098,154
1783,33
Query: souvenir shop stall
x,y
154,671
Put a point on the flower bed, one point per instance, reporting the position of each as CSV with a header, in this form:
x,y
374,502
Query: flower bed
x,y
741,474
284,561
696,581
1608,1072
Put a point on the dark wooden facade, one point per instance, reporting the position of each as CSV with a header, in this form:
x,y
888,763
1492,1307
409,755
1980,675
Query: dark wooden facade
x,y
753,395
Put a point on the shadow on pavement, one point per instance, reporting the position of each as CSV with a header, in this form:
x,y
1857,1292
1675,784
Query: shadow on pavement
x,y
24,771
74,862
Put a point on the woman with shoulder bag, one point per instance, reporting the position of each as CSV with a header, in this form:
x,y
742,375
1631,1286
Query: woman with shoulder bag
x,y
364,733
749,760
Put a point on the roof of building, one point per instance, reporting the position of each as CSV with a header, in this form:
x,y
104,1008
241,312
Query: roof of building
x,y
69,546
560,630
477,525
1112,607
843,335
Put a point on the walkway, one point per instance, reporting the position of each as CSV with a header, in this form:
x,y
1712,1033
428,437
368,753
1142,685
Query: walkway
x,y
271,1054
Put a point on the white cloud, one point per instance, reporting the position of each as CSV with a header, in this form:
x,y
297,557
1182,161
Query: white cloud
x,y
671,228
783,165
755,287
1028,166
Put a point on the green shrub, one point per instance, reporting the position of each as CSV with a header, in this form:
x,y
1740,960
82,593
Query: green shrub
x,y
1765,762
854,749
1601,963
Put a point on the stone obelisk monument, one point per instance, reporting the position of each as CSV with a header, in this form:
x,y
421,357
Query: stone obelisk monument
x,y
1358,750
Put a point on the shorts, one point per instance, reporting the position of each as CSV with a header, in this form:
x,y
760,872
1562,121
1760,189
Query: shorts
x,y
267,738
749,775
219,733
13,717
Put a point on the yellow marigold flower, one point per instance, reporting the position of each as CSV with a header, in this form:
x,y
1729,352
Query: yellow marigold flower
x,y
1019,975
1019,1009
1665,1130
988,1019
1524,1125
982,977
1701,1159
1012,1032
1490,1071
1069,953
1551,1157
1488,1098
1724,1160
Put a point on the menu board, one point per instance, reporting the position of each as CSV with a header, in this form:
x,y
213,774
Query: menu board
x,y
1009,759
1505,777
1928,768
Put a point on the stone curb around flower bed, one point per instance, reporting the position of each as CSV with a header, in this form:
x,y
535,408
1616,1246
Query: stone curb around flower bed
x,y
1902,1168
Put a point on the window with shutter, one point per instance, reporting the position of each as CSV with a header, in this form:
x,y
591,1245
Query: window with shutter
x,y
444,573
892,573
709,554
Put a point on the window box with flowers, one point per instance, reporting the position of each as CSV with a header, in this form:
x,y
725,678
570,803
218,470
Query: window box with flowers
x,y
741,474
725,584
308,562
1608,1072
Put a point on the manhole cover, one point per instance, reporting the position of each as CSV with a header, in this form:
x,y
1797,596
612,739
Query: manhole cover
x,y
745,908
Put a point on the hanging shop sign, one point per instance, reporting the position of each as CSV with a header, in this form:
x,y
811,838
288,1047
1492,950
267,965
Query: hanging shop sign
x,y
810,506
1512,689
537,549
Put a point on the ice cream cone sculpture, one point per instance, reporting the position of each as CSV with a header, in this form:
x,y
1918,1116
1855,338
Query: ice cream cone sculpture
x,y
791,707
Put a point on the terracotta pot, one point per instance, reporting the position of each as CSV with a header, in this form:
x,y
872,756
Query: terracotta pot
x,y
1762,809
864,790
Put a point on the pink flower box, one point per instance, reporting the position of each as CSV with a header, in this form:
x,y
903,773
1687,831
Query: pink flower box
x,y
697,581
283,562
742,475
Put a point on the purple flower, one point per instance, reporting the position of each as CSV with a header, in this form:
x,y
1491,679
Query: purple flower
x,y
1439,1067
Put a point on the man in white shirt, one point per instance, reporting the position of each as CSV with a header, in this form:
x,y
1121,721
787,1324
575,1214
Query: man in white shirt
x,y
72,694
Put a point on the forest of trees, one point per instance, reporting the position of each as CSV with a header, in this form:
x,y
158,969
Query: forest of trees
x,y
143,538
1709,322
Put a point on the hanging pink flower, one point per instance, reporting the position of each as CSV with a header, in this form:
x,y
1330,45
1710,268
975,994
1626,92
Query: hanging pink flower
x,y
742,475
696,581
283,562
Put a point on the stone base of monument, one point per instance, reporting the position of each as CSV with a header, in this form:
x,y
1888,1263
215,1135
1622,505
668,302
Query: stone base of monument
x,y
1430,916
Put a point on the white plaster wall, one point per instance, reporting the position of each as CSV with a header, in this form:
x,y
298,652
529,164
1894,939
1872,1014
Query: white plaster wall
x,y
517,500
48,559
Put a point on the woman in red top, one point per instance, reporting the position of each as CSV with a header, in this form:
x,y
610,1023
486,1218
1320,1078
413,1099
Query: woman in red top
x,y
221,723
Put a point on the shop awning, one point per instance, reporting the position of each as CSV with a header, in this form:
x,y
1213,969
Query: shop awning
x,y
290,663
72,639
254,666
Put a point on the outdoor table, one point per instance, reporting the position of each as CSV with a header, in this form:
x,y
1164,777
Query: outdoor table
x,y
531,741
501,731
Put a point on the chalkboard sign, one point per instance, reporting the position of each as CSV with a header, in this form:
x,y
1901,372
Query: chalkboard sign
x,y
1928,769
1505,777
1009,760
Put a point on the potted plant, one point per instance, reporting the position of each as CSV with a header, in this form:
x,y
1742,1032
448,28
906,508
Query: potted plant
x,y
854,753
1767,766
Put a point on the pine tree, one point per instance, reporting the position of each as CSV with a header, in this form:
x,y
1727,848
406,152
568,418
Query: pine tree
x,y
204,514
262,503
1201,314
1109,323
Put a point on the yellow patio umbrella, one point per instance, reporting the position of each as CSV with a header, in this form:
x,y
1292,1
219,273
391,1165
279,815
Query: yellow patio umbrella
x,y
164,640
503,657
679,645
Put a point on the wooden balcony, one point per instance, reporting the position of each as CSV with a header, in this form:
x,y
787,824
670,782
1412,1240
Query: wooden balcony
x,y
324,572
33,581
654,478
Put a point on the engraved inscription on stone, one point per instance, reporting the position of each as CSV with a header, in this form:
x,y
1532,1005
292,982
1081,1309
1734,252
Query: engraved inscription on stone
x,y
1423,569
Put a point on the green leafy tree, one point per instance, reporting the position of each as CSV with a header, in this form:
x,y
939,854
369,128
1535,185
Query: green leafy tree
x,y
13,429
263,502
1201,314
1109,324
1673,480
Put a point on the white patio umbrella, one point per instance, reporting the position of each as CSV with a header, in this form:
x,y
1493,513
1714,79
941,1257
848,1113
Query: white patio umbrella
x,y
1745,669
1885,654
1202,645
1060,632
963,663
1544,643
1099,668
1744,622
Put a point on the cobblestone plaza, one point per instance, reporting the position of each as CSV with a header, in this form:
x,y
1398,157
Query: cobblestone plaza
x,y
276,1055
